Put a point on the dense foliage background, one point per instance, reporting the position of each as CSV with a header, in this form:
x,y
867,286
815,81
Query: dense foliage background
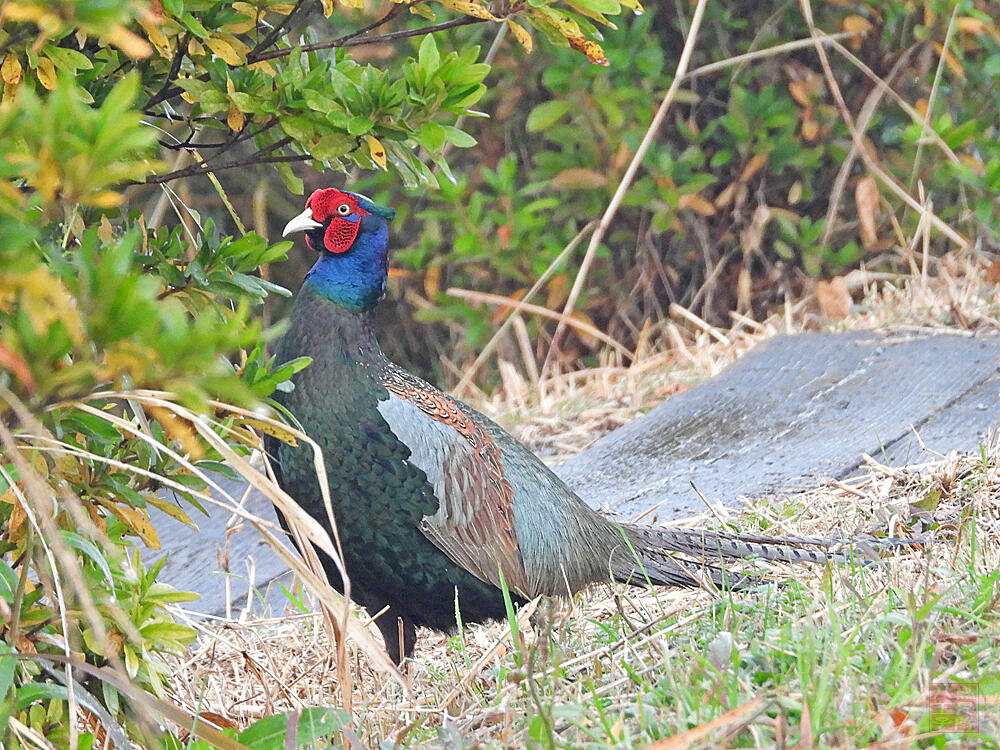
x,y
149,150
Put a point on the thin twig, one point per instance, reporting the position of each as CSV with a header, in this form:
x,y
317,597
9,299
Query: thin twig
x,y
767,52
175,67
470,372
623,186
351,40
497,299
873,167
868,109
275,33
203,168
925,123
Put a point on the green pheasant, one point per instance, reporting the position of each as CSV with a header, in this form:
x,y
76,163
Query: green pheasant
x,y
432,499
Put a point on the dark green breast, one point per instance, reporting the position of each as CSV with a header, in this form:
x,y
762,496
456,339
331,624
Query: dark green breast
x,y
378,496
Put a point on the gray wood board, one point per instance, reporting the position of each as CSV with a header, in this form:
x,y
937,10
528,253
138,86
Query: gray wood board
x,y
792,409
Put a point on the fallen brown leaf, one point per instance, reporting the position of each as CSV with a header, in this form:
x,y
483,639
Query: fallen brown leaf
x,y
834,298
866,196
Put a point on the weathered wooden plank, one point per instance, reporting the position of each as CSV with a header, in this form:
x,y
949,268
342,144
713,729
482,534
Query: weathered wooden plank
x,y
792,409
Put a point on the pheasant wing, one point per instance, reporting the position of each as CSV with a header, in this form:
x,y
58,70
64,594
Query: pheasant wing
x,y
474,522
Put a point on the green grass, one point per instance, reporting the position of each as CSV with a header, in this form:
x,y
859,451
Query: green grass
x,y
905,652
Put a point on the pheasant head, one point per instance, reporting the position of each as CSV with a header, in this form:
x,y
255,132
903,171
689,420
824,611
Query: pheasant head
x,y
351,234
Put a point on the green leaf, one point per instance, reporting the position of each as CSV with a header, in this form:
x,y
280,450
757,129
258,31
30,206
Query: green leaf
x,y
8,663
314,724
293,183
88,548
547,114
458,137
36,691
168,631
174,7
428,58
332,146
194,26
359,125
8,582
69,60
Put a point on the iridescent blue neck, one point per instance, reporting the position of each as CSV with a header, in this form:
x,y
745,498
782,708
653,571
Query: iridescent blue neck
x,y
355,280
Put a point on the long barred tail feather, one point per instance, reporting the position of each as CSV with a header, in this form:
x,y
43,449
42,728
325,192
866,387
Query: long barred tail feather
x,y
664,569
717,545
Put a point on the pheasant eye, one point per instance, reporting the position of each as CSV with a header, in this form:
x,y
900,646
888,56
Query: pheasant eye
x,y
343,209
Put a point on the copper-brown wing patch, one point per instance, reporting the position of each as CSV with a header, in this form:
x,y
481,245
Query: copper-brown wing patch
x,y
474,524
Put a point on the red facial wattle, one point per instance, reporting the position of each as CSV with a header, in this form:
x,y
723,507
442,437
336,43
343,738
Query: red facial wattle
x,y
341,214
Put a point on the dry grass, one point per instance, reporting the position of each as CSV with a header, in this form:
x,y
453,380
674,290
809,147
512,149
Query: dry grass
x,y
842,655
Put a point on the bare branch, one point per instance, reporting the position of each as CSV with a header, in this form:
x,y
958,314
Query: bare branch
x,y
204,168
352,40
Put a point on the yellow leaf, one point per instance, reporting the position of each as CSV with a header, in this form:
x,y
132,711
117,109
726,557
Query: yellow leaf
x,y
590,48
564,24
136,520
421,9
47,178
103,199
240,27
521,34
45,300
179,429
273,430
241,48
470,9
635,6
377,151
859,25
105,232
694,202
756,163
10,69
15,523
800,93
131,44
265,66
9,91
224,49
95,516
156,37
28,12
432,282
970,25
328,6
972,163
46,73
235,119
810,128
949,59
172,510
284,8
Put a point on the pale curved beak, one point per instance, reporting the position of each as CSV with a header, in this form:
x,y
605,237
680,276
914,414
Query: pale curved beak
x,y
301,223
